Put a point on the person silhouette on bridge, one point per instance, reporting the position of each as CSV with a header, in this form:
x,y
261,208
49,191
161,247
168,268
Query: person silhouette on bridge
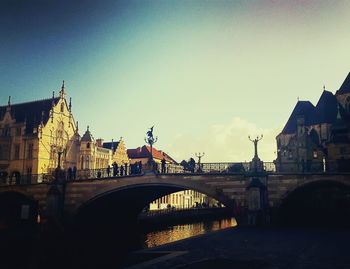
x,y
74,172
163,166
115,169
108,171
70,173
139,167
121,170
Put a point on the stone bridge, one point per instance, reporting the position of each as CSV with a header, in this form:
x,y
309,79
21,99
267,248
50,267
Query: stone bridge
x,y
129,195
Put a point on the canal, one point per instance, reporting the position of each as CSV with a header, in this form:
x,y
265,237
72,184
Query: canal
x,y
172,233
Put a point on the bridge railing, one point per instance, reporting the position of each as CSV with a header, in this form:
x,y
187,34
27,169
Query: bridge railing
x,y
222,167
314,166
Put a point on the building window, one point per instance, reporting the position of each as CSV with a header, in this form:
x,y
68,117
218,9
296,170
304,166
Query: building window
x,y
4,152
290,154
16,156
30,151
62,107
87,162
18,131
314,154
88,145
6,131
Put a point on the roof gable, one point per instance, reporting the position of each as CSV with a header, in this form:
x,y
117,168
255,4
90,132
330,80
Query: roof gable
x,y
145,152
345,87
31,112
326,109
302,108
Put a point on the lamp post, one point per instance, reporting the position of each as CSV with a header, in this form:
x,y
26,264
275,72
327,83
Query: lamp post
x,y
199,156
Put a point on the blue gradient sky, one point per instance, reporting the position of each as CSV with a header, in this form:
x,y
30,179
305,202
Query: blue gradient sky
x,y
206,73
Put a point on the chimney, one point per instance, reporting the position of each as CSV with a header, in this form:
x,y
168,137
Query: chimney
x,y
99,142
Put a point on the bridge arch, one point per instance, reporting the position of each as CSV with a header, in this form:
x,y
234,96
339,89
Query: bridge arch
x,y
111,213
317,202
158,190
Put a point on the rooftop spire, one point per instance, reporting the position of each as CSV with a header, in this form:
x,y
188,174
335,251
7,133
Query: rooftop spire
x,y
53,99
9,104
62,91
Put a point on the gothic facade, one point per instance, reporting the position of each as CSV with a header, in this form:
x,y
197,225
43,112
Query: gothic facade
x,y
37,137
317,138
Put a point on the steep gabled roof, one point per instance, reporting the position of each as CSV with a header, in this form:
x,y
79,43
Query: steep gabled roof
x,y
302,108
108,145
31,112
326,109
145,152
345,87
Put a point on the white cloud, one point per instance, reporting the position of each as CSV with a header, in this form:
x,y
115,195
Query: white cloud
x,y
226,142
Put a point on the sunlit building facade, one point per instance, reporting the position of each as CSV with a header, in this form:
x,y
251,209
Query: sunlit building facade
x,y
182,199
37,137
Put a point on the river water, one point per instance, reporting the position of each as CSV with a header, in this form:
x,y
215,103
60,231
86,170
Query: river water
x,y
177,232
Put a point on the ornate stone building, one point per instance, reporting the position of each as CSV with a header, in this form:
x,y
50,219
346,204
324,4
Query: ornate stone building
x,y
37,136
317,138
94,154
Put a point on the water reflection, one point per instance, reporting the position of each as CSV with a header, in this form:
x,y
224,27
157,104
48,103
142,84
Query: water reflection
x,y
178,232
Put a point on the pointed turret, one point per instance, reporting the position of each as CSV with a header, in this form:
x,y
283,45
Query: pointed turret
x,y
62,91
87,137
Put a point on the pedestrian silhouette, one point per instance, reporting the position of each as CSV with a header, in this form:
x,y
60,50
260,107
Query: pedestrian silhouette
x,y
163,166
108,171
70,173
74,173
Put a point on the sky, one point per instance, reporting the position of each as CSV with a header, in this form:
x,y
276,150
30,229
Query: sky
x,y
206,73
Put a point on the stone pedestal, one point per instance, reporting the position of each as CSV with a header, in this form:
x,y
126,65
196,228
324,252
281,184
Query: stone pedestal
x,y
257,202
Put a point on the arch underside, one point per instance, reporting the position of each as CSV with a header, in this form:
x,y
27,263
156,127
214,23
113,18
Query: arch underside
x,y
17,208
319,203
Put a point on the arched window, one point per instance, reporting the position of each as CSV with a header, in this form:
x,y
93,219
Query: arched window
x,y
82,162
62,107
87,162
88,145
